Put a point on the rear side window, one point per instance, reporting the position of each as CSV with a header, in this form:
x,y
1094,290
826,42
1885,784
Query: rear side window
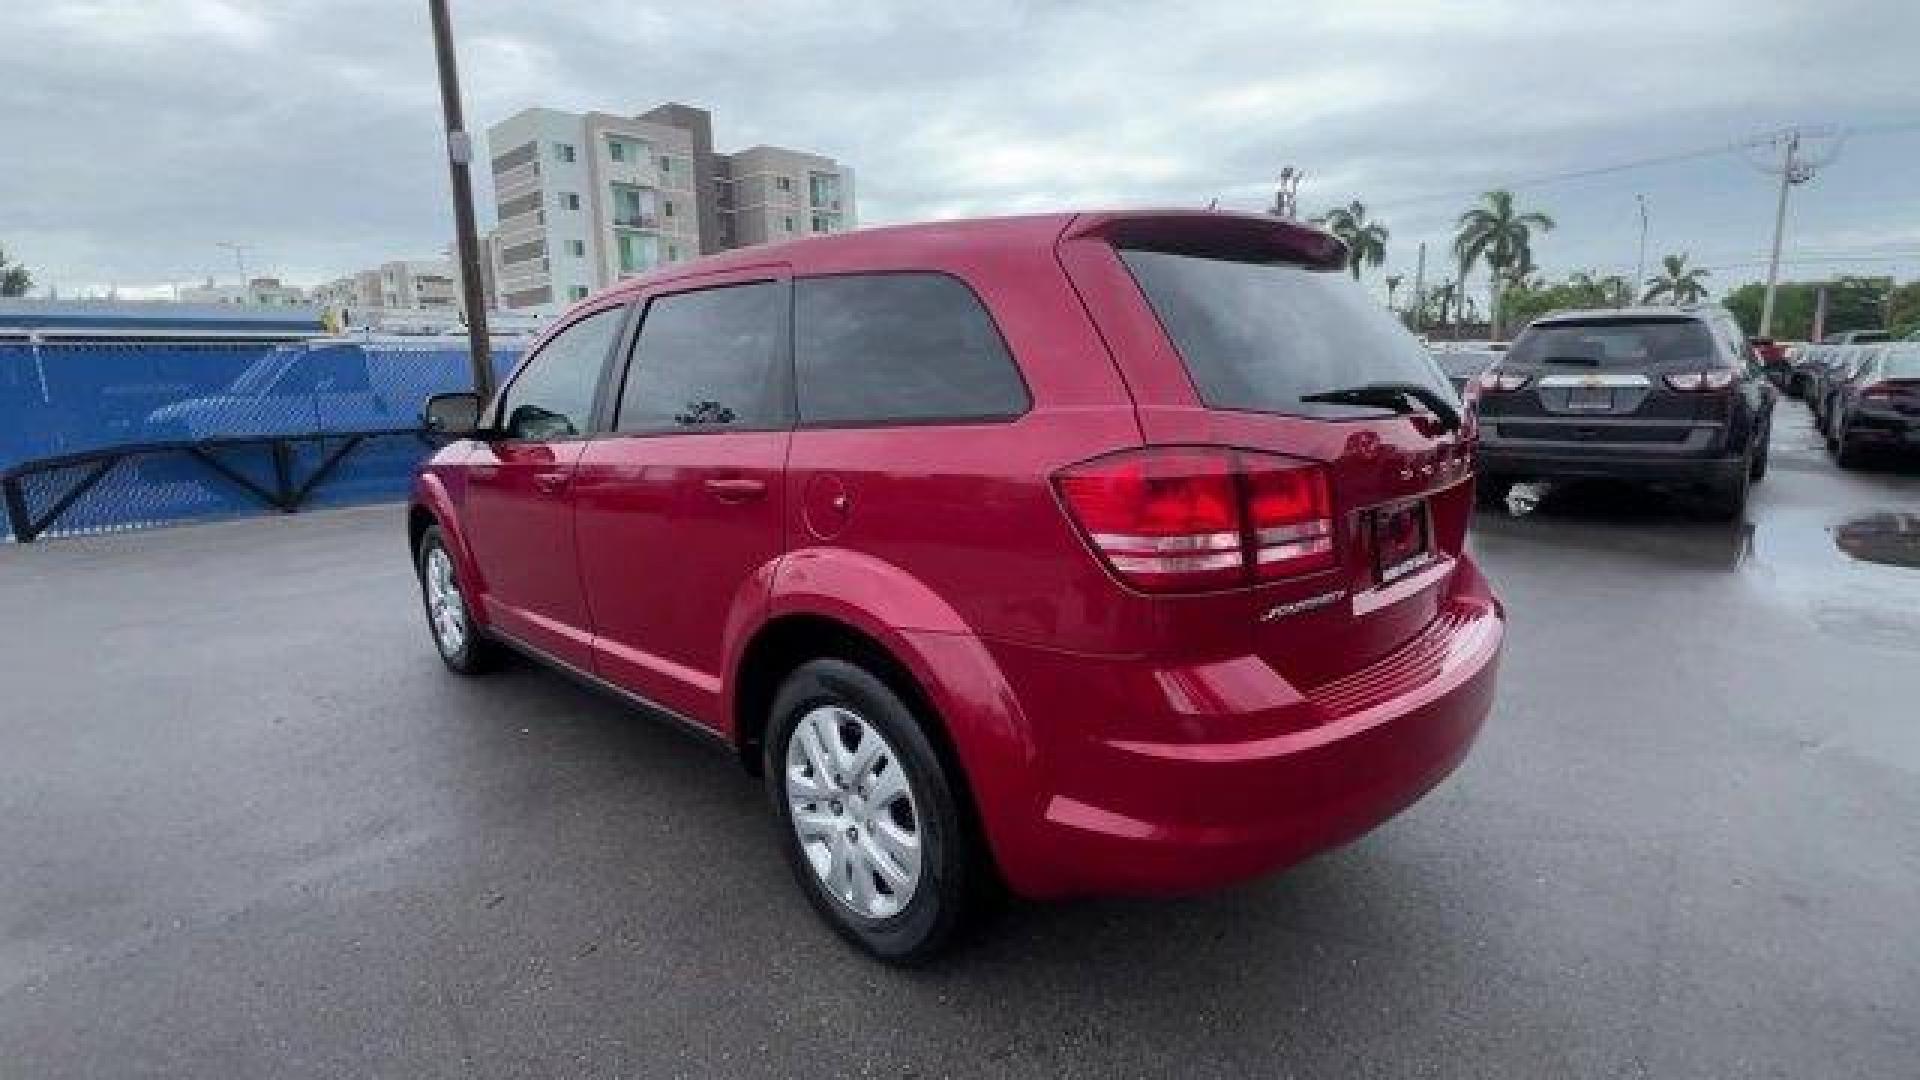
x,y
1616,343
708,360
1260,336
876,349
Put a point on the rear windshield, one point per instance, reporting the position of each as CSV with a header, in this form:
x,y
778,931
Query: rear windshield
x,y
1614,343
1258,336
1902,363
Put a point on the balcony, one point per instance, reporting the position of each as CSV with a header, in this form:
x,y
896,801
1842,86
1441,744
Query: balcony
x,y
632,220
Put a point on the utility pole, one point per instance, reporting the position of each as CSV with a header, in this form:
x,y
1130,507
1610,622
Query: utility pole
x,y
459,156
1795,167
1420,290
1640,265
239,262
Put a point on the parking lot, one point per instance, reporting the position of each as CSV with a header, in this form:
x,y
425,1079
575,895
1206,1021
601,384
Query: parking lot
x,y
252,828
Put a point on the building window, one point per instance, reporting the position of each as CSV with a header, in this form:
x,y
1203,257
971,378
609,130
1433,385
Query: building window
x,y
667,208
617,149
578,292
673,252
633,207
822,224
579,248
666,163
784,183
787,224
823,191
569,200
638,251
563,151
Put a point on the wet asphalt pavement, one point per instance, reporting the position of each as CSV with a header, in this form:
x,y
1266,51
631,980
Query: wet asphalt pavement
x,y
250,828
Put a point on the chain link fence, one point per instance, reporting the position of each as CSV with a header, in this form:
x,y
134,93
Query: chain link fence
x,y
228,428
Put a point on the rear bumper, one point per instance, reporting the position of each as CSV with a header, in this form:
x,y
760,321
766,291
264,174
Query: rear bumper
x,y
1701,457
1886,426
1116,813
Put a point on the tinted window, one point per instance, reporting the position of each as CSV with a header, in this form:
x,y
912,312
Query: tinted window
x,y
1902,362
1259,336
707,359
886,348
1616,343
552,398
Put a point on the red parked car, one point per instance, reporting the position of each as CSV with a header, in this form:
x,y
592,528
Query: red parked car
x,y
1098,553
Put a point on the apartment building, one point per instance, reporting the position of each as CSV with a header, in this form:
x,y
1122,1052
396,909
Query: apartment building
x,y
769,193
584,199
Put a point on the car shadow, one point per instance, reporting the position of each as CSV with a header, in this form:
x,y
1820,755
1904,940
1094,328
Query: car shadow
x,y
1671,527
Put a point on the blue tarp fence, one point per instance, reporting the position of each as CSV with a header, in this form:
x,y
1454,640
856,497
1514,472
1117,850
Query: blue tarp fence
x,y
68,397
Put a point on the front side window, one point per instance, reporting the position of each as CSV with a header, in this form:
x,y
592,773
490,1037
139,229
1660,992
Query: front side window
x,y
877,349
1261,336
708,360
552,397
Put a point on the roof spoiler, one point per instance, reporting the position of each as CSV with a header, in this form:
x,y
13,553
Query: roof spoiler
x,y
1216,234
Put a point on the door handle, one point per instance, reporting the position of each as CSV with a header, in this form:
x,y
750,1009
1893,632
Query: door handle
x,y
550,483
735,488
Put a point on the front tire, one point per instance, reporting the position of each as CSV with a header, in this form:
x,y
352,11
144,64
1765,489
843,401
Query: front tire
x,y
461,645
869,819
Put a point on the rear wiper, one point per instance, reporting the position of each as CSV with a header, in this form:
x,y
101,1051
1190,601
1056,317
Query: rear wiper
x,y
1397,396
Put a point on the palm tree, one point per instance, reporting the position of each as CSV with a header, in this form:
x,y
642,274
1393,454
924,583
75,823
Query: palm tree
x,y
1678,283
14,280
1366,240
1496,234
1393,286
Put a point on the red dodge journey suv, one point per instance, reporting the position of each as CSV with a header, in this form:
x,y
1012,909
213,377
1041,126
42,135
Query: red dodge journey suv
x,y
1097,553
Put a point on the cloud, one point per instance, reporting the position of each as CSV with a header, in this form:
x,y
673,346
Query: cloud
x,y
142,134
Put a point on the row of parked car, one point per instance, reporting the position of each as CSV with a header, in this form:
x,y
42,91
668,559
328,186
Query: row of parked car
x,y
1674,396
1863,391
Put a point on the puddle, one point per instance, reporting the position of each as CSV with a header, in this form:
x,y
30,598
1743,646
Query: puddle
x,y
1889,538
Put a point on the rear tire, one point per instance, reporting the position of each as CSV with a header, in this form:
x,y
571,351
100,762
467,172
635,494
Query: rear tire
x,y
462,646
874,833
1846,454
1728,501
1758,470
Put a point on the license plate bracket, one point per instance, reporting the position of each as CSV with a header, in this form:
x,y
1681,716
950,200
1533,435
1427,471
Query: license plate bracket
x,y
1402,540
1590,398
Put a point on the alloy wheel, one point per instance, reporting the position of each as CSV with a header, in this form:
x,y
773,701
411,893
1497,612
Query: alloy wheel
x,y
445,609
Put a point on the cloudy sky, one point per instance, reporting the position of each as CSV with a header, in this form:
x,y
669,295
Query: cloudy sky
x,y
140,134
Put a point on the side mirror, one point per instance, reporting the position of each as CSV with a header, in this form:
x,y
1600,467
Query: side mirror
x,y
453,414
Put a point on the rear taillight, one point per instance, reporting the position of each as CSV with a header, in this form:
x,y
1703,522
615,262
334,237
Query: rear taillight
x,y
1182,519
1710,379
1504,381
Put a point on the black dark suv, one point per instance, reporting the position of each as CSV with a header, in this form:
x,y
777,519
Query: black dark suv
x,y
1669,396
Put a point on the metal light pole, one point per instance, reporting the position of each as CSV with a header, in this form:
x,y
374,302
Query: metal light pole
x,y
1420,289
459,155
1640,266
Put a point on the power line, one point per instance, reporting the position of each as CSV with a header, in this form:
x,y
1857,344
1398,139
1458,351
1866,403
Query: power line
x,y
1737,146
